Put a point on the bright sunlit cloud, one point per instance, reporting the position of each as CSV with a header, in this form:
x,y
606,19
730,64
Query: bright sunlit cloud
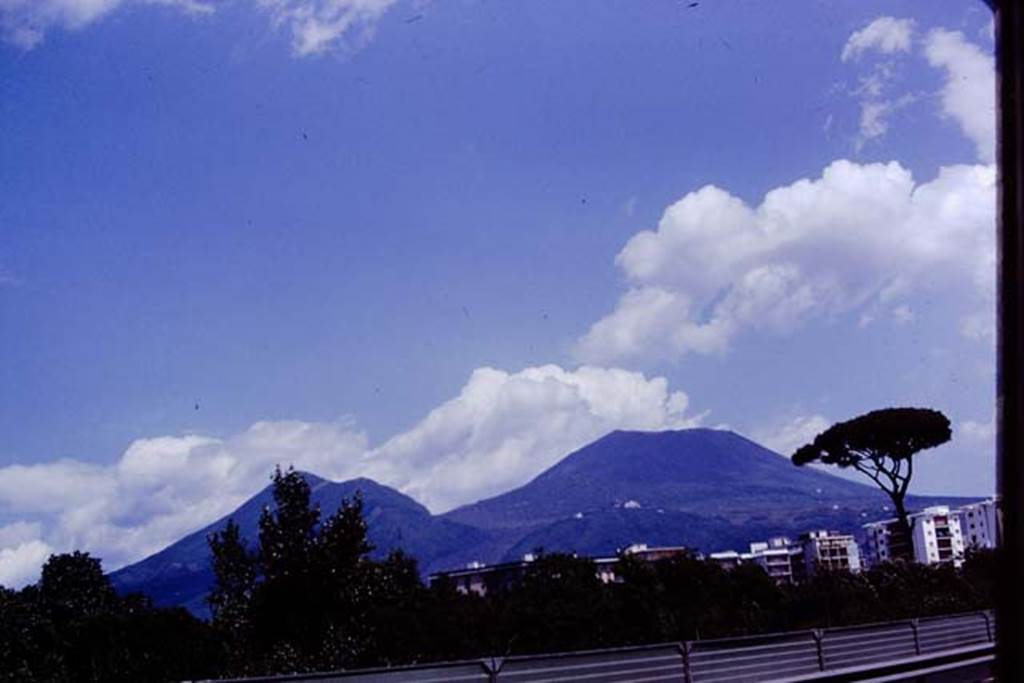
x,y
501,430
845,242
715,267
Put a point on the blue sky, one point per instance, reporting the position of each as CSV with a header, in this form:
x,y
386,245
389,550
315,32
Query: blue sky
x,y
429,242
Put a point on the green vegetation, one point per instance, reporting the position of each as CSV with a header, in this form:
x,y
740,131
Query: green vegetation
x,y
308,597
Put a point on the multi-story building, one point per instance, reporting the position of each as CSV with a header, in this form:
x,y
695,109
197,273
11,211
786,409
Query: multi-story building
x,y
787,561
828,551
775,556
886,541
980,524
935,537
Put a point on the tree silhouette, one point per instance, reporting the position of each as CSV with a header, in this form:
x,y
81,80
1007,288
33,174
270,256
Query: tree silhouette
x,y
234,568
73,586
881,445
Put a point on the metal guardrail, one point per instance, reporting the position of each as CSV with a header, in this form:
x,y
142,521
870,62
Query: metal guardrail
x,y
834,654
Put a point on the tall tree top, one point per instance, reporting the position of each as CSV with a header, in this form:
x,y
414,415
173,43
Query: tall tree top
x,y
896,433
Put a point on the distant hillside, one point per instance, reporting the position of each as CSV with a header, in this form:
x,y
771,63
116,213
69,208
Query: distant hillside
x,y
703,488
181,575
711,489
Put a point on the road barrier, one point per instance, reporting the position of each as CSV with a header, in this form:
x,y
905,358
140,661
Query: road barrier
x,y
854,653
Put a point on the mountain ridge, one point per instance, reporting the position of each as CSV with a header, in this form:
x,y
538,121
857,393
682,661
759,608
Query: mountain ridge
x,y
705,488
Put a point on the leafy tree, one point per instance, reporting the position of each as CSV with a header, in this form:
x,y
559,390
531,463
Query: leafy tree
x,y
234,569
30,645
300,602
230,601
73,587
287,534
881,445
981,571
558,605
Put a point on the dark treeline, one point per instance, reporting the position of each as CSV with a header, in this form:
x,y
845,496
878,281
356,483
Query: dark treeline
x,y
307,596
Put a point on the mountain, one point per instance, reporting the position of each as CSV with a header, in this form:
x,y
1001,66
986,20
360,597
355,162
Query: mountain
x,y
703,488
709,489
180,574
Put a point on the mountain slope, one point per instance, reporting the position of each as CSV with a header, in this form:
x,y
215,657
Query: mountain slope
x,y
181,575
690,481
706,489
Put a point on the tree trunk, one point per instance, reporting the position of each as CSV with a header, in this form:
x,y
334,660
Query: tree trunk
x,y
902,547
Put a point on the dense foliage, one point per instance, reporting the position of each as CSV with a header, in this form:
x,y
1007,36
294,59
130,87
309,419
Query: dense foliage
x,y
306,596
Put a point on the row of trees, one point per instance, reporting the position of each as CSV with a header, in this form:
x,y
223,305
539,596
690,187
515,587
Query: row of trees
x,y
307,596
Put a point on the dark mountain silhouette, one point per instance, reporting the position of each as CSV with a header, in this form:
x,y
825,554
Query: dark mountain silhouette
x,y
180,574
703,488
706,488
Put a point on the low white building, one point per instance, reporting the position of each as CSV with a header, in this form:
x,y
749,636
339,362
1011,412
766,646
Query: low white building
x,y
980,524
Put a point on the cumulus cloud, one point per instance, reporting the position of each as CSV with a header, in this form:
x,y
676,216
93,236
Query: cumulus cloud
x,y
505,428
19,564
786,436
857,235
885,34
500,430
160,489
968,96
315,25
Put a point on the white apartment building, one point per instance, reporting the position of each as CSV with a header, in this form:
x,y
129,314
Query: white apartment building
x,y
980,524
935,537
776,557
822,550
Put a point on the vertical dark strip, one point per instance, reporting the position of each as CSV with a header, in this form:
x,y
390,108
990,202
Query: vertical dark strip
x,y
1010,446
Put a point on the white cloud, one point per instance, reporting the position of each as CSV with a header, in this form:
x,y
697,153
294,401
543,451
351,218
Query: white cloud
x,y
786,436
160,489
968,96
505,428
316,26
501,430
19,532
979,431
885,34
857,235
20,564
875,116
24,23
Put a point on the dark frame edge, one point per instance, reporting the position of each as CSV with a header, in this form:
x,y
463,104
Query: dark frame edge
x,y
1009,25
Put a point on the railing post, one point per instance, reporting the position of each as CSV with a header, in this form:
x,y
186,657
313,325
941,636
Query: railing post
x,y
684,648
492,666
818,635
917,636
